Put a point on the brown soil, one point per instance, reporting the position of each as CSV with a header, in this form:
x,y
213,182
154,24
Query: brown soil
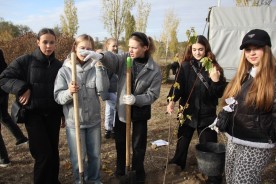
x,y
21,169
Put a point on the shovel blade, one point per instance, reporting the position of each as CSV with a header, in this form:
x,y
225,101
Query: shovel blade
x,y
129,178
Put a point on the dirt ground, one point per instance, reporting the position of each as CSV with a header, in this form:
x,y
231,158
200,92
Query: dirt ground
x,y
21,169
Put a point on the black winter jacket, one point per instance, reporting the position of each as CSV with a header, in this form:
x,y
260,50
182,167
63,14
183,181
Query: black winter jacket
x,y
249,123
37,73
203,101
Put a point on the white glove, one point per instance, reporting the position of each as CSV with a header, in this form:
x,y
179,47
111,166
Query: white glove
x,y
213,126
88,54
129,99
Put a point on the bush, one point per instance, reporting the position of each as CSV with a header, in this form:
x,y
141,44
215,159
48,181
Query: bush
x,y
165,70
26,44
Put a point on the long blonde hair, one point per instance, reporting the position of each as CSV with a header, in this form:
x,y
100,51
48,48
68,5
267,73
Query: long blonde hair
x,y
261,91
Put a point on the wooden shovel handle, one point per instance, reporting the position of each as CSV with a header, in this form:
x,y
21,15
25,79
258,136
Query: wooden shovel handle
x,y
128,113
76,114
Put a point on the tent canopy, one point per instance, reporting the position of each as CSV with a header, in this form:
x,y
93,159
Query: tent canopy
x,y
227,27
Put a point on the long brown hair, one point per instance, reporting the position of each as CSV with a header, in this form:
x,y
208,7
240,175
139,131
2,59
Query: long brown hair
x,y
263,82
203,41
188,56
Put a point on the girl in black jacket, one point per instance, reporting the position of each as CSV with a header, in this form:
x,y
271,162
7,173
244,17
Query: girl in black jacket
x,y
251,134
31,78
197,88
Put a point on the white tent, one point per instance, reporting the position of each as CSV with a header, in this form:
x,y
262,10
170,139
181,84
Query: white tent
x,y
227,27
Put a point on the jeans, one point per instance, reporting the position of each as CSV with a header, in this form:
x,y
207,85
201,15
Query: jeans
x,y
91,150
110,111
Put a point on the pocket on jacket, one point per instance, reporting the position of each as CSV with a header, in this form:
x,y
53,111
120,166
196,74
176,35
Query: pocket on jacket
x,y
91,84
141,87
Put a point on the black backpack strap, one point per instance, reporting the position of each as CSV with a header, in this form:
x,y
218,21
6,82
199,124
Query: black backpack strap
x,y
200,76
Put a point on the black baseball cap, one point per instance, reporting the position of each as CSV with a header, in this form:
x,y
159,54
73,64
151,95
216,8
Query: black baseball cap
x,y
256,37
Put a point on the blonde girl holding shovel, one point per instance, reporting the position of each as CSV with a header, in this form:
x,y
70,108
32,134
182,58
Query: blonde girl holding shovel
x,y
90,79
146,84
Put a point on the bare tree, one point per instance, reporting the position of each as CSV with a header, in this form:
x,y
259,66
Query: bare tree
x,y
114,15
69,21
143,10
253,2
170,26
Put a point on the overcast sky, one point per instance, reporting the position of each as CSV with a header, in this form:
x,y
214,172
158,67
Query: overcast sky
x,y
46,13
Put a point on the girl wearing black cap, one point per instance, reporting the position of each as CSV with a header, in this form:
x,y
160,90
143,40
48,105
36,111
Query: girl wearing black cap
x,y
146,84
251,134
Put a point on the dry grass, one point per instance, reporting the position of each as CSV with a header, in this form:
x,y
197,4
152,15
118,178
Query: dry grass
x,y
20,171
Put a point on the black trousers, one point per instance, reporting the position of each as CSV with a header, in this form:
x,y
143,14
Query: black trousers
x,y
4,158
7,120
139,144
185,135
43,131
10,125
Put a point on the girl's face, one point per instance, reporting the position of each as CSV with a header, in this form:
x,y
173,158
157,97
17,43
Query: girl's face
x,y
198,51
135,49
254,55
84,45
112,47
47,44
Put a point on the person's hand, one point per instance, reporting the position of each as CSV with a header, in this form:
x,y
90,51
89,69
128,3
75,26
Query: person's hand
x,y
88,54
170,107
98,64
73,88
129,99
24,99
213,126
214,74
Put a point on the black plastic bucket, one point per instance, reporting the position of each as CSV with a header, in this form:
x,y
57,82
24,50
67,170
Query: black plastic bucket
x,y
210,158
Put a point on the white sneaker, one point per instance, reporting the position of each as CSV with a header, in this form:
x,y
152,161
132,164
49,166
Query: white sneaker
x,y
5,164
